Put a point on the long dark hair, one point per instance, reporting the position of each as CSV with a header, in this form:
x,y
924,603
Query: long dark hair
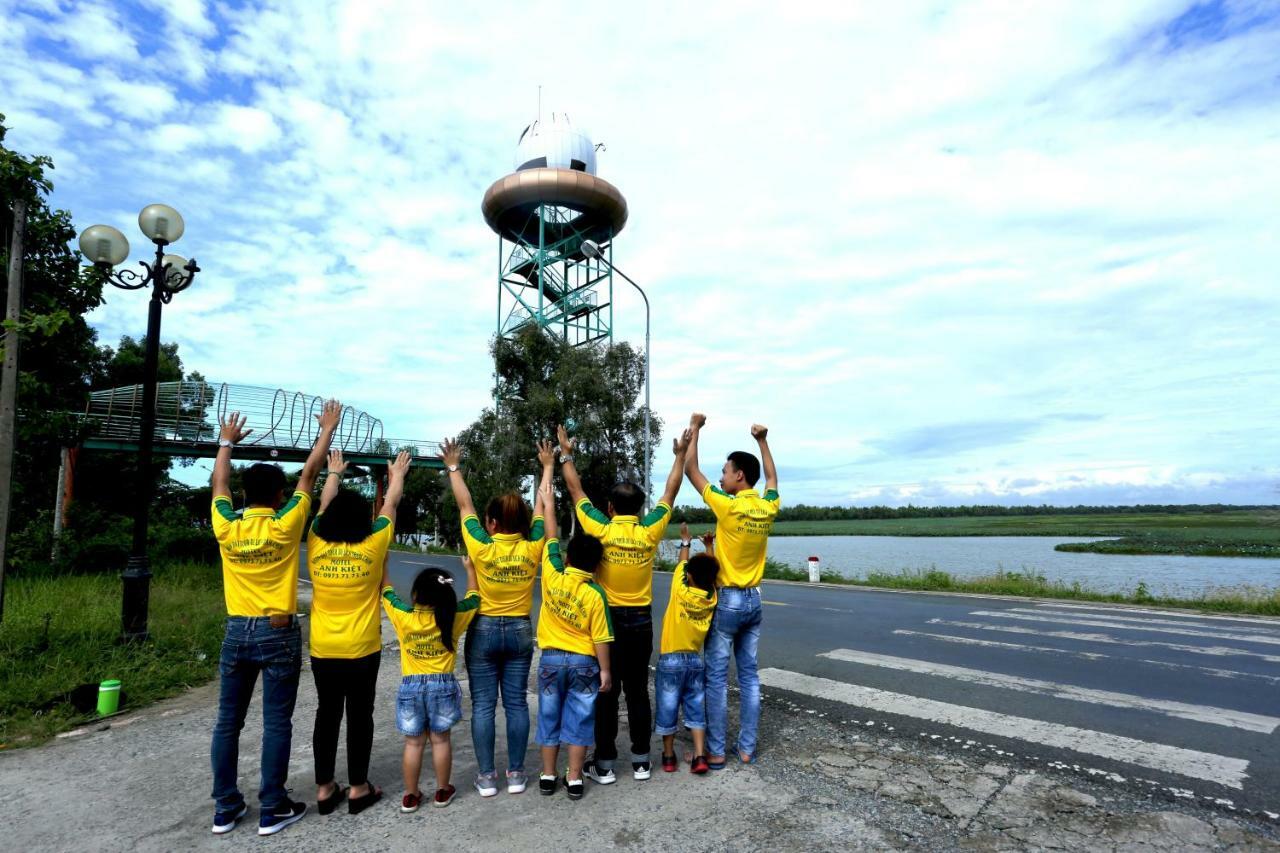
x,y
345,519
433,588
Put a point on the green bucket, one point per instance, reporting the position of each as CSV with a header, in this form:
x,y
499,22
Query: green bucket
x,y
108,697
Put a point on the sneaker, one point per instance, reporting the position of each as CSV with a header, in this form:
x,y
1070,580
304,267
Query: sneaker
x,y
641,770
669,763
227,821
444,796
574,787
516,781
288,812
547,785
487,784
410,803
595,773
699,765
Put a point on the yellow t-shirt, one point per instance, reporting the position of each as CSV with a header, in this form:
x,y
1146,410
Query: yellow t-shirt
x,y
260,555
743,522
574,615
506,564
630,543
688,616
422,650
344,604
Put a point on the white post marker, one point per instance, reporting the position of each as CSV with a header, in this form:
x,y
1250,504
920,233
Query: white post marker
x,y
815,570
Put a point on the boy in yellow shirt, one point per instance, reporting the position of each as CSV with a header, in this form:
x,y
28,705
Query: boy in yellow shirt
x,y
429,698
680,672
574,633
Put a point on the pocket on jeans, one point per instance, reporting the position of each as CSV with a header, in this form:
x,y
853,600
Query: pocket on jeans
x,y
586,679
547,677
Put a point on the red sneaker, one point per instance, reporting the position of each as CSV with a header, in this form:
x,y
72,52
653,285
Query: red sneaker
x,y
411,802
699,765
669,763
444,796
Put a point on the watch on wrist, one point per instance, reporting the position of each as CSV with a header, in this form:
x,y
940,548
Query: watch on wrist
x,y
566,457
451,468
226,442
684,544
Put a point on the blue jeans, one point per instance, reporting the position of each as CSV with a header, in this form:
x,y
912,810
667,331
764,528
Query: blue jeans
x,y
735,629
680,682
499,651
250,646
428,701
568,684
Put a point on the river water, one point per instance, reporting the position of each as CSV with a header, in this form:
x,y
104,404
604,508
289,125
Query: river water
x,y
966,556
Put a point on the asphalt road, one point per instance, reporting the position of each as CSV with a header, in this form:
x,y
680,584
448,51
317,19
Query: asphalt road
x,y
1175,703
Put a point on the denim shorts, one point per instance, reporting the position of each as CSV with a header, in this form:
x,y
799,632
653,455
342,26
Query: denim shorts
x,y
567,689
680,682
434,698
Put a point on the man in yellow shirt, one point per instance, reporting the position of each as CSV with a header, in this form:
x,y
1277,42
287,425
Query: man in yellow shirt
x,y
744,519
626,574
259,551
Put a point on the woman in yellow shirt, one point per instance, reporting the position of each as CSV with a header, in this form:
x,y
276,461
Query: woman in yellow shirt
x,y
346,554
506,551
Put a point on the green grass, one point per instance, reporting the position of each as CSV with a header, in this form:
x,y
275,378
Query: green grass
x,y
1230,534
60,632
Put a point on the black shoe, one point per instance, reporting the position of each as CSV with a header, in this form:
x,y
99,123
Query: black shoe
x,y
574,787
336,798
226,821
641,770
286,813
597,774
547,785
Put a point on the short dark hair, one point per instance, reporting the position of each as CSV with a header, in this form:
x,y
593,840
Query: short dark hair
x,y
263,484
701,571
510,513
345,519
747,464
585,552
627,498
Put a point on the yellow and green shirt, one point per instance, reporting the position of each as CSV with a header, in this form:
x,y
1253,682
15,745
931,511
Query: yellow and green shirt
x,y
630,543
574,615
344,605
506,564
743,522
422,649
688,616
260,555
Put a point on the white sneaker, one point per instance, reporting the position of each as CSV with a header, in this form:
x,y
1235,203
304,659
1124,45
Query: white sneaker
x,y
487,784
593,772
516,781
641,770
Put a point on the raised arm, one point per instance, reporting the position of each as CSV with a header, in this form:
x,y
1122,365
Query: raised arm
x,y
696,422
572,481
684,542
547,494
679,446
333,482
329,417
451,456
232,433
761,435
397,470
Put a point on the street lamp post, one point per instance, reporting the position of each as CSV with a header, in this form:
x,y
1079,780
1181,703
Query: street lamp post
x,y
592,250
106,247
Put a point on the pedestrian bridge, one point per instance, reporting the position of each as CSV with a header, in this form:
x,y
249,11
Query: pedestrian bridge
x,y
283,423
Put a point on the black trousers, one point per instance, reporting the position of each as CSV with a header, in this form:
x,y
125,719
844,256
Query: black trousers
x,y
629,656
349,682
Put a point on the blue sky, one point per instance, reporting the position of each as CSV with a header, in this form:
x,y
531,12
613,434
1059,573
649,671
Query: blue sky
x,y
949,252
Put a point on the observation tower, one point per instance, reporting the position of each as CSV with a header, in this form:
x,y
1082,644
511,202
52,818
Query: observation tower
x,y
541,213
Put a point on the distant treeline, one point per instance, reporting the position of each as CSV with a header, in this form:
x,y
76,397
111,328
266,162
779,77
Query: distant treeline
x,y
804,512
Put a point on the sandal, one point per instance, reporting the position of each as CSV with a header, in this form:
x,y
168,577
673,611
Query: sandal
x,y
715,765
327,805
355,805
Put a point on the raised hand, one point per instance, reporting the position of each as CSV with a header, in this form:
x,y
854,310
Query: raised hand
x,y
684,531
566,443
546,453
399,467
450,453
708,540
697,420
330,415
337,465
681,444
233,428
759,432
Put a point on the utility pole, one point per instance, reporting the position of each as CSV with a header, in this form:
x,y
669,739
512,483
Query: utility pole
x,y
9,382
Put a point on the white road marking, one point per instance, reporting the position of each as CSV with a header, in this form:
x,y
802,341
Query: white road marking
x,y
1199,713
1097,623
1218,769
1146,621
1216,651
1257,620
1096,656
